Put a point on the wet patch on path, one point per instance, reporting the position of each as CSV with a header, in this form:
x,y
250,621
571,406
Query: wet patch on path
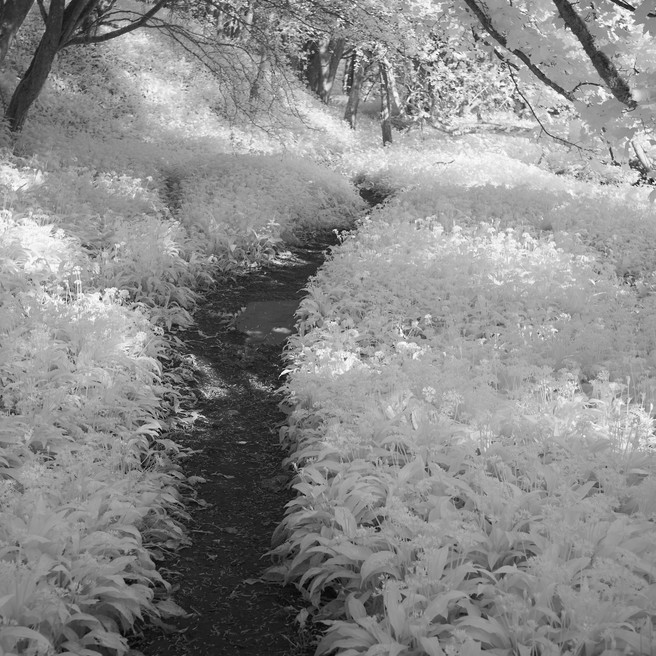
x,y
268,322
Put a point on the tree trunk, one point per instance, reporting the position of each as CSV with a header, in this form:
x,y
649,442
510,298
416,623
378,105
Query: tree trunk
x,y
322,69
385,104
256,84
395,98
247,26
12,15
356,77
643,158
32,82
336,47
349,72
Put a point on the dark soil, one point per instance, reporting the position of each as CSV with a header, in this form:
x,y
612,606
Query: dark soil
x,y
234,432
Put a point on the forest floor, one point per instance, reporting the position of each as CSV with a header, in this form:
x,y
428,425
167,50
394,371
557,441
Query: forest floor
x,y
233,433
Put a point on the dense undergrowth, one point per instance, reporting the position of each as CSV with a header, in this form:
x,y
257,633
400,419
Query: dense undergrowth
x,y
132,189
470,399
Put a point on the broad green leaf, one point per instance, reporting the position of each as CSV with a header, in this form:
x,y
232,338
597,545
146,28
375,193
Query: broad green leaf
x,y
431,646
380,562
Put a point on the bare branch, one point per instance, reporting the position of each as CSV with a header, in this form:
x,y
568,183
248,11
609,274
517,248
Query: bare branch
x,y
107,36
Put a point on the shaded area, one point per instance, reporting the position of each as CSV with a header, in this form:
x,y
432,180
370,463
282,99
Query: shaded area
x,y
268,322
233,429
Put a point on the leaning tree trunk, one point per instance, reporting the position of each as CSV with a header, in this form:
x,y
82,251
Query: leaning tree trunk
x,y
61,25
356,77
12,15
35,77
385,104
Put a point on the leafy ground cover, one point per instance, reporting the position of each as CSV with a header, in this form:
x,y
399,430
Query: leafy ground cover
x,y
103,261
470,399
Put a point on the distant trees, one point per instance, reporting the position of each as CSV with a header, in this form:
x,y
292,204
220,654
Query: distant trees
x,y
599,56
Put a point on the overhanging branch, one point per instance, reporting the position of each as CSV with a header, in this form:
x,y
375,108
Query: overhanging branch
x,y
135,25
600,60
486,22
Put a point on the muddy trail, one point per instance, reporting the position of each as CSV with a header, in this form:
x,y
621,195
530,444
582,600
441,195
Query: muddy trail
x,y
233,430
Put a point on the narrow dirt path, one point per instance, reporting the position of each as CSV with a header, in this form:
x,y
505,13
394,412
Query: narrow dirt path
x,y
235,435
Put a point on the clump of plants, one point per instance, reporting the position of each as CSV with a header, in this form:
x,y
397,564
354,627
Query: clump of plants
x,y
89,489
245,207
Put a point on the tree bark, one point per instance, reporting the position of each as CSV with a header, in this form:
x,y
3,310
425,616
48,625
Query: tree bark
x,y
385,104
32,82
12,15
356,77
256,84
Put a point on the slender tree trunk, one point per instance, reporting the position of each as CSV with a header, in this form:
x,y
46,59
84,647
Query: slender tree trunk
x,y
32,82
336,48
12,15
395,97
385,104
256,84
356,77
248,21
349,71
643,158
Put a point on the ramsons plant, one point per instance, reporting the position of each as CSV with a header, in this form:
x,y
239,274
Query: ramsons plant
x,y
82,403
469,419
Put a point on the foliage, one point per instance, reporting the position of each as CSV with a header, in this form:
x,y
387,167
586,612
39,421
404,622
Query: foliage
x,y
245,206
584,52
82,403
445,82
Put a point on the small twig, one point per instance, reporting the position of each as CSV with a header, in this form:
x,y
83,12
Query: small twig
x,y
535,116
586,84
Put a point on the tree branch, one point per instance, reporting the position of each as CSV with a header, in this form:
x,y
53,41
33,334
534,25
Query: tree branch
x,y
631,8
101,38
535,116
486,22
600,60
